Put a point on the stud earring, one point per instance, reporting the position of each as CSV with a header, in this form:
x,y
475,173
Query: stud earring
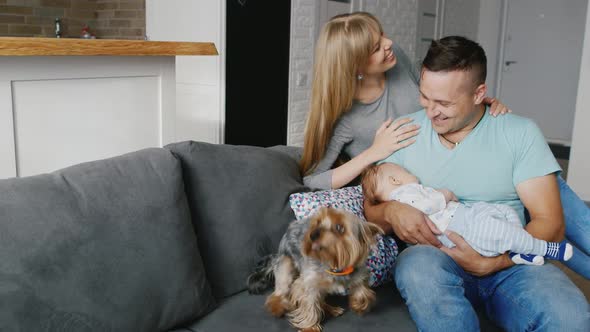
x,y
359,77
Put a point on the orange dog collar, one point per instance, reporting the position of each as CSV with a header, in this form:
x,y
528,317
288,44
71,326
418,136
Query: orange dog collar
x,y
344,272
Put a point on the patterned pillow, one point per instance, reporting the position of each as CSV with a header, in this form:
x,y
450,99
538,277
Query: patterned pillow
x,y
347,198
381,260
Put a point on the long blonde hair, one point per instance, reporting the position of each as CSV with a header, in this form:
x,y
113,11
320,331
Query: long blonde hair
x,y
343,48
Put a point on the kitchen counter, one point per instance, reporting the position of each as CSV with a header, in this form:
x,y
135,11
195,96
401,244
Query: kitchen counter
x,y
24,46
66,101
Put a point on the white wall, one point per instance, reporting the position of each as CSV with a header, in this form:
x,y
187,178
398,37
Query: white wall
x,y
579,166
399,20
304,26
200,80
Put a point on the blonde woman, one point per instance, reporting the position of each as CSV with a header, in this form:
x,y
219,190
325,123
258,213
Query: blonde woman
x,y
362,81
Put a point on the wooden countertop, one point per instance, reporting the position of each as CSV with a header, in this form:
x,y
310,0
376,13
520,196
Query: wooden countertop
x,y
25,46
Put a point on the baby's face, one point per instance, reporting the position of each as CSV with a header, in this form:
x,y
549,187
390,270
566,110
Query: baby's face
x,y
391,177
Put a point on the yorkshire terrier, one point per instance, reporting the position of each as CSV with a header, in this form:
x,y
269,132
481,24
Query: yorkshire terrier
x,y
324,254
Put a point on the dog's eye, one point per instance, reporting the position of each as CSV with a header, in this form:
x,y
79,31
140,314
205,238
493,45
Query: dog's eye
x,y
339,228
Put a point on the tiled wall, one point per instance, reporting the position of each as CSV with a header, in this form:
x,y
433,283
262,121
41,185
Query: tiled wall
x,y
114,19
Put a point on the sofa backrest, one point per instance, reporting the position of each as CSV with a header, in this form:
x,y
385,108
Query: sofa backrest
x,y
102,246
239,202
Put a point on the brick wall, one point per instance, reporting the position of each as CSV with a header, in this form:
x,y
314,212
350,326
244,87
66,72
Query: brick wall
x,y
120,19
303,35
113,19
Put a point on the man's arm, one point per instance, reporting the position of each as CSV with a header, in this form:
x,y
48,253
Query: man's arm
x,y
540,195
408,223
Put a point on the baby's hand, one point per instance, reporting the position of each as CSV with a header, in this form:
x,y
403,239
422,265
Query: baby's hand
x,y
449,195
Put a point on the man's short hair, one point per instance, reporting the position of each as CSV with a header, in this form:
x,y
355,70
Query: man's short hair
x,y
457,53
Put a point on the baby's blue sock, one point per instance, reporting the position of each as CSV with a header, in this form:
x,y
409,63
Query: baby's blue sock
x,y
560,251
526,259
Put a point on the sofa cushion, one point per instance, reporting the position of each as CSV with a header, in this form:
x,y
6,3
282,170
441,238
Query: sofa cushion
x,y
239,200
101,246
248,313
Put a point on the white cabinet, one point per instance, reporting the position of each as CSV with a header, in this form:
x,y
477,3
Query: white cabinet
x,y
57,111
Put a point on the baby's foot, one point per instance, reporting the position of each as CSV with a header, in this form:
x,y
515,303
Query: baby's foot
x,y
561,251
526,259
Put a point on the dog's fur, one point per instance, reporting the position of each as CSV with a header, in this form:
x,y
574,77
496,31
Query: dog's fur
x,y
330,240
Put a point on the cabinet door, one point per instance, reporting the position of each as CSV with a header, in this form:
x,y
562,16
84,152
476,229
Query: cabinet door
x,y
60,111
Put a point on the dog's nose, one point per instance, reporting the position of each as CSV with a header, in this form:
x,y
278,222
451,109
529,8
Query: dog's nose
x,y
315,234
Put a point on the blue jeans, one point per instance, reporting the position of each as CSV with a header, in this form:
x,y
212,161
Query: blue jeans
x,y
441,296
577,228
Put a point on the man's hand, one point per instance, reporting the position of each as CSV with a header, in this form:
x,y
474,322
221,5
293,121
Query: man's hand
x,y
411,225
471,261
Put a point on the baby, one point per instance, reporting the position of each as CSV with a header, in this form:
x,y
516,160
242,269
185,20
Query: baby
x,y
491,229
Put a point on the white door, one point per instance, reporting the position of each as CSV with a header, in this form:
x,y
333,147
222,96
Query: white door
x,y
541,62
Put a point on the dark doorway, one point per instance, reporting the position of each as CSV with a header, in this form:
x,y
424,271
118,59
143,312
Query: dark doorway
x,y
257,72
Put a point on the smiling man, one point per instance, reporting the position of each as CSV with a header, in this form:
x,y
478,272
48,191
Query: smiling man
x,y
501,160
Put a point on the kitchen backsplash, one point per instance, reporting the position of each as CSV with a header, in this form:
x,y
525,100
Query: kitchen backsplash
x,y
106,19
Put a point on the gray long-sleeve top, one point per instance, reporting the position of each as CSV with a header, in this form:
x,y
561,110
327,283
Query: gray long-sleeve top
x,y
355,130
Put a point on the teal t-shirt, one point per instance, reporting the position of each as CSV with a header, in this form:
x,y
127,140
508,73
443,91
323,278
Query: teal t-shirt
x,y
487,165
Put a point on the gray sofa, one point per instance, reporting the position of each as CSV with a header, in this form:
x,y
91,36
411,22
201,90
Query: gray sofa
x,y
155,240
